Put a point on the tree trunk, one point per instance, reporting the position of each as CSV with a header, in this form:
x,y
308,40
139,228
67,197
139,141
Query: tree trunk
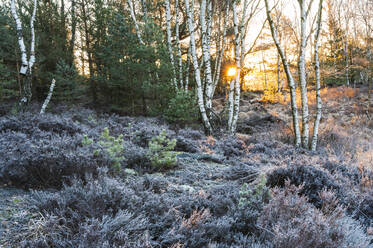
x,y
318,85
220,56
26,67
302,74
169,42
177,27
46,102
289,76
206,56
133,16
197,72
278,74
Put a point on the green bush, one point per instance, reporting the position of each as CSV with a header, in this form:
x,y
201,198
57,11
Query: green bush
x,y
259,193
182,108
160,151
111,145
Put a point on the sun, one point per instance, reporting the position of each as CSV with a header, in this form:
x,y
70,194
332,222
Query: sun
x,y
232,72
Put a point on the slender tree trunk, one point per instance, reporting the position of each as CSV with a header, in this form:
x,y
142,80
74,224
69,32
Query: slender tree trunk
x,y
26,67
265,72
177,27
278,74
239,47
302,74
73,33
318,85
219,59
93,86
169,42
289,76
46,102
133,16
205,119
189,58
206,56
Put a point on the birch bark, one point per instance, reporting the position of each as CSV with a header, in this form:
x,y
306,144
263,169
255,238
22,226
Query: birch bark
x,y
289,76
302,73
133,16
206,55
197,72
46,102
27,65
219,58
318,85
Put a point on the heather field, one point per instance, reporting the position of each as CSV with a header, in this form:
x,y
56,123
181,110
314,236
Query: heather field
x,y
77,178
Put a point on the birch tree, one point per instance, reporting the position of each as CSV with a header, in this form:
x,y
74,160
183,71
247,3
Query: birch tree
x,y
27,64
221,45
304,12
197,72
318,85
289,76
133,16
206,53
240,30
47,100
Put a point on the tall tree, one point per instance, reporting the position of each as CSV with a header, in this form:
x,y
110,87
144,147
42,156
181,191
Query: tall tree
x,y
289,75
27,65
318,84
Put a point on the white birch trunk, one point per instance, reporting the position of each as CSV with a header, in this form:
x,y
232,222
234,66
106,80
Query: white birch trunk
x,y
46,102
231,103
21,42
302,74
290,79
206,56
205,119
26,67
318,85
169,42
133,16
240,35
222,49
32,48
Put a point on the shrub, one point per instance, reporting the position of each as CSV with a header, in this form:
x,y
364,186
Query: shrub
x,y
45,160
259,193
113,146
182,108
160,154
289,221
314,179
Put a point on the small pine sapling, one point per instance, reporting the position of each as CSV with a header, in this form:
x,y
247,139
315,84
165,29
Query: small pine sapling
x,y
161,154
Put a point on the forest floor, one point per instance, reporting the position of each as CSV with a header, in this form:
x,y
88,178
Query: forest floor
x,y
202,202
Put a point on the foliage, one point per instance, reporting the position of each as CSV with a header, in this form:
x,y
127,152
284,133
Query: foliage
x,y
259,193
271,94
113,146
8,57
161,152
315,180
182,108
289,221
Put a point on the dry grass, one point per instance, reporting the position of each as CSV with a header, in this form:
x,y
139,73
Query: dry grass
x,y
197,217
